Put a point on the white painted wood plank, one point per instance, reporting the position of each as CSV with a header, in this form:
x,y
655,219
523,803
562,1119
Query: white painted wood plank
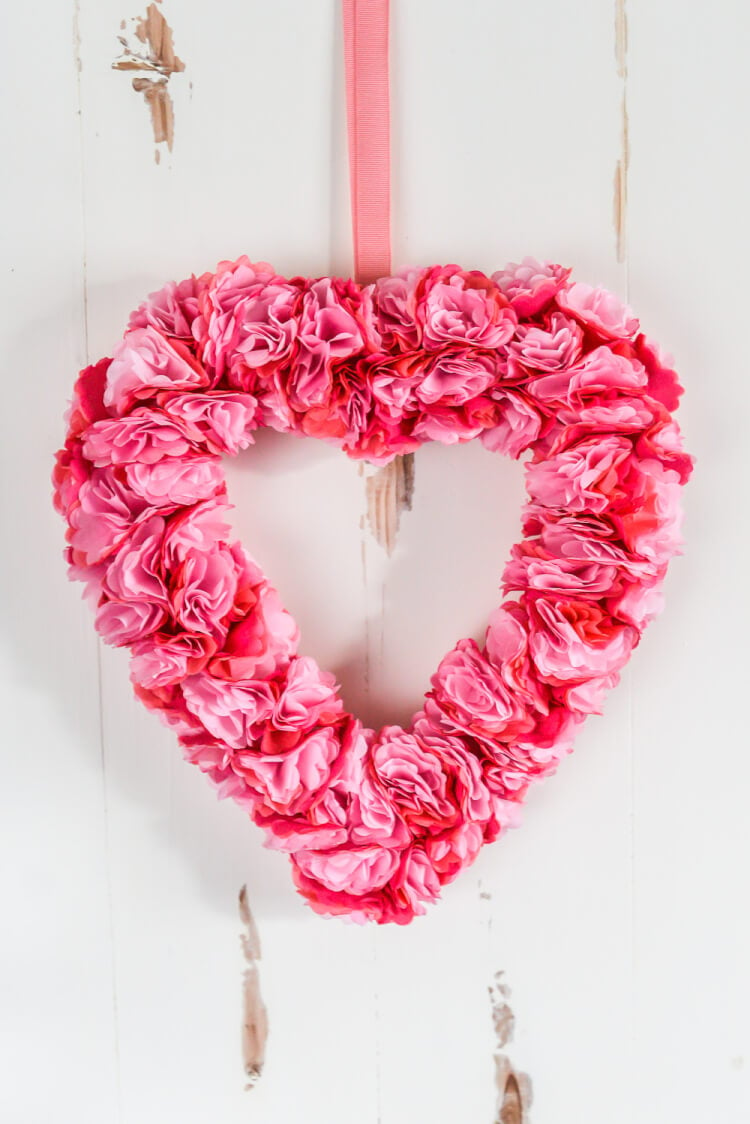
x,y
57,1031
178,857
508,133
689,92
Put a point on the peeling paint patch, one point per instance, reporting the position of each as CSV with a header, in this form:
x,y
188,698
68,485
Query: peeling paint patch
x,y
514,1092
147,49
254,1014
620,204
390,491
621,39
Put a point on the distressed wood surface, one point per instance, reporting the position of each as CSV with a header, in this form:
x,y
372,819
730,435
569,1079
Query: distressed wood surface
x,y
590,967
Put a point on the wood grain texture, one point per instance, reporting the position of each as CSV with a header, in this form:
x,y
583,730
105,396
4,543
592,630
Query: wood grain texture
x,y
618,913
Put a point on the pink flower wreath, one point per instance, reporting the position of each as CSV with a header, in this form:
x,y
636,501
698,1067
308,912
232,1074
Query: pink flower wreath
x,y
527,361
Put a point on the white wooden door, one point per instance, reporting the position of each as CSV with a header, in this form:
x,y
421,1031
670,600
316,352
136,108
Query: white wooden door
x,y
609,935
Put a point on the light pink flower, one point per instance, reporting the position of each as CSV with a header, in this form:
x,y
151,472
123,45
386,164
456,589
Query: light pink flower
x,y
473,697
198,528
308,697
161,659
651,524
104,515
172,309
124,622
220,420
551,346
412,776
351,870
519,425
530,285
203,588
572,641
447,426
580,478
146,361
328,330
639,604
176,482
599,310
416,882
507,649
145,435
395,309
449,853
460,760
247,320
454,377
232,712
289,781
599,376
135,572
464,309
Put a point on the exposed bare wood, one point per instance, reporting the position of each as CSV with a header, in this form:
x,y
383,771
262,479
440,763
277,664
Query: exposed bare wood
x,y
255,1016
390,492
159,62
514,1092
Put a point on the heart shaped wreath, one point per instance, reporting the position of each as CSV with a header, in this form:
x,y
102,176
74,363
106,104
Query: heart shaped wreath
x,y
528,362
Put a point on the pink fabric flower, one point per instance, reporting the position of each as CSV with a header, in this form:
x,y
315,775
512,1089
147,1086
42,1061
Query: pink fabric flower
x,y
103,516
395,309
519,425
198,527
473,697
135,572
248,320
223,422
581,478
599,310
290,780
329,330
455,377
145,436
574,640
412,776
232,712
354,870
551,346
162,659
176,482
307,699
530,285
203,589
262,644
145,361
172,310
125,622
463,309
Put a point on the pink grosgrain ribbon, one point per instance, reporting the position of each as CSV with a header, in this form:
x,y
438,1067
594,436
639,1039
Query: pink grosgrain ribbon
x,y
368,125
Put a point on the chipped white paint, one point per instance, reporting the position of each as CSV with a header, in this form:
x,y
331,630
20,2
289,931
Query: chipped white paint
x,y
121,971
